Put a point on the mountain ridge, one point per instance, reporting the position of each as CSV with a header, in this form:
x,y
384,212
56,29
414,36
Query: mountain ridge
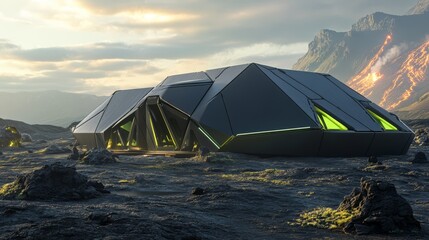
x,y
47,107
383,56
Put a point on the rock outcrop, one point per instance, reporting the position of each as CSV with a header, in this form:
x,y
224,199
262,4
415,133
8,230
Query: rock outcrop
x,y
379,208
52,183
421,137
97,156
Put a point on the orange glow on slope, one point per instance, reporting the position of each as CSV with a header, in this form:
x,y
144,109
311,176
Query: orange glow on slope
x,y
365,80
411,73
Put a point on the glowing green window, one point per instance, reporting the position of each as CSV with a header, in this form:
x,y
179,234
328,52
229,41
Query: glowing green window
x,y
328,122
387,126
127,126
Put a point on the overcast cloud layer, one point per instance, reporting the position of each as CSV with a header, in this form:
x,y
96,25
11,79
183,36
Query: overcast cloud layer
x,y
99,46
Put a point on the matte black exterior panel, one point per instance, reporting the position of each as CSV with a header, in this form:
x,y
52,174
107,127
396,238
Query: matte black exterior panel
x,y
296,83
214,73
298,97
121,103
345,143
216,117
219,84
343,116
255,103
390,143
334,95
100,108
196,77
185,98
291,143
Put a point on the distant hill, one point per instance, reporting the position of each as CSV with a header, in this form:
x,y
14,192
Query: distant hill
x,y
384,57
38,131
47,107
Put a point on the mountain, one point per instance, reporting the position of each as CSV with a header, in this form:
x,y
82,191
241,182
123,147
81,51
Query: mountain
x,y
47,107
38,131
384,57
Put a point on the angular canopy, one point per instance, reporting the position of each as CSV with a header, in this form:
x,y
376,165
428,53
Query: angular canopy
x,y
249,108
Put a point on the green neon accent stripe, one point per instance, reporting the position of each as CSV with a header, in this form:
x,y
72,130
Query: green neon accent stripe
x,y
273,131
209,137
227,141
328,122
153,131
383,123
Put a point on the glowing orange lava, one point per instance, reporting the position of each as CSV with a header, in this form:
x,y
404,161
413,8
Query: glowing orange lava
x,y
411,73
365,80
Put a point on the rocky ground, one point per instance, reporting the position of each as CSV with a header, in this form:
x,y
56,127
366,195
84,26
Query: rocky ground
x,y
223,196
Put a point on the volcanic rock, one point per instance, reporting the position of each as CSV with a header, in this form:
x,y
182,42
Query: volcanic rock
x,y
9,137
422,137
420,157
25,137
379,209
75,154
198,191
101,218
97,156
55,149
52,182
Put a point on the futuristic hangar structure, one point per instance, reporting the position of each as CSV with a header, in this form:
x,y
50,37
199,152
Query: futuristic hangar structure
x,y
252,109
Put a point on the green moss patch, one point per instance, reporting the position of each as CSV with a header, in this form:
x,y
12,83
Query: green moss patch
x,y
273,176
327,218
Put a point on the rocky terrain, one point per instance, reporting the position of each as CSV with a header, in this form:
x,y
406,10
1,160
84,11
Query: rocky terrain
x,y
219,196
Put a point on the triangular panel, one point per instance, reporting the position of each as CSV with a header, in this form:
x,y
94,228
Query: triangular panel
x,y
220,83
100,108
185,98
214,73
120,104
254,103
89,126
215,119
299,98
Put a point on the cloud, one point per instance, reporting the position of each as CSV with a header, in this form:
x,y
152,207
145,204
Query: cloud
x,y
99,46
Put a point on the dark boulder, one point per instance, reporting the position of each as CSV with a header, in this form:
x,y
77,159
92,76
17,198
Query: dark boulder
x,y
102,219
420,157
97,156
55,149
198,191
373,160
379,209
52,182
25,137
75,154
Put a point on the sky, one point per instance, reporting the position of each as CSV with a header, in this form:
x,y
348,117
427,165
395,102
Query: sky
x,y
99,46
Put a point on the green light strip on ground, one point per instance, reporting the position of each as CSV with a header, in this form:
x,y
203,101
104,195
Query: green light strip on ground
x,y
273,131
209,137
